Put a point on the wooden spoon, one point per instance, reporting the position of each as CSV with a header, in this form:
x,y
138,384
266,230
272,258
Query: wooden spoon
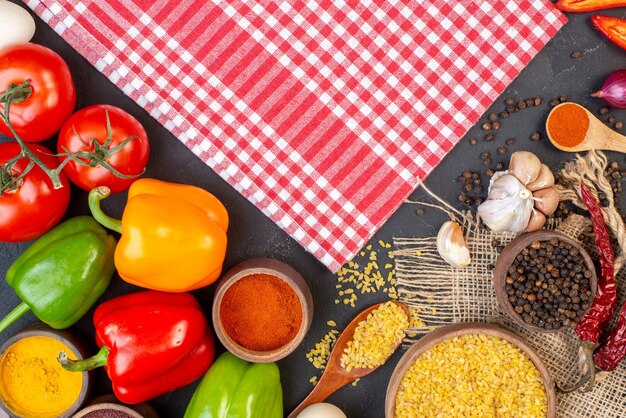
x,y
598,136
335,376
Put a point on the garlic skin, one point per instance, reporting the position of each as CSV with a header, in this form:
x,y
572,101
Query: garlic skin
x,y
546,200
451,245
537,220
525,165
509,205
543,180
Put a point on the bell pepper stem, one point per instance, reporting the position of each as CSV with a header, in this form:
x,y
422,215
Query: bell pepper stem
x,y
84,365
14,315
95,196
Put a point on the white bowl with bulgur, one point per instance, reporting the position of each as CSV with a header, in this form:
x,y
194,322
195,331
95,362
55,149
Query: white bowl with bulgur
x,y
477,367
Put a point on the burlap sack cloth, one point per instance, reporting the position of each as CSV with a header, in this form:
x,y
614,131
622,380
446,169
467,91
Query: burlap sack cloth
x,y
444,295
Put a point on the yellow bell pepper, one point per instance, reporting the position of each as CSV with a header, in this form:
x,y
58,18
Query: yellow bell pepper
x,y
173,235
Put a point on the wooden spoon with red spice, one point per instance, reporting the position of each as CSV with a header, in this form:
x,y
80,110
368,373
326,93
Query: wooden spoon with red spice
x,y
335,376
573,128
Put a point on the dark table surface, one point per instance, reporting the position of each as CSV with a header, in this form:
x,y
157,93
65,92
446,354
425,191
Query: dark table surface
x,y
552,73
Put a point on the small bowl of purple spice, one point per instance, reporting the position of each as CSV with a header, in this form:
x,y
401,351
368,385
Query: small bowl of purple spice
x,y
108,407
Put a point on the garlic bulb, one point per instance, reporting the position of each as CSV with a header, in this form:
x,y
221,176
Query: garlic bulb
x,y
525,165
509,205
451,245
545,179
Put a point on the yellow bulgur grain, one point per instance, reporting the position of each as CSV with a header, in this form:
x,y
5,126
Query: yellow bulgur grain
x,y
375,338
472,375
331,323
318,355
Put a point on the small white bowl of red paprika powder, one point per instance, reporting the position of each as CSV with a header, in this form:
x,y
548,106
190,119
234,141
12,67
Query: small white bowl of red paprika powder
x,y
262,310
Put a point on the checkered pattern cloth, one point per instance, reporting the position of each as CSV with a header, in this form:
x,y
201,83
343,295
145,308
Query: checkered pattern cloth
x,y
322,114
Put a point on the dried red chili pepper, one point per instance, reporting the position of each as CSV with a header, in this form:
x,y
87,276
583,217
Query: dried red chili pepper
x,y
590,327
608,356
601,310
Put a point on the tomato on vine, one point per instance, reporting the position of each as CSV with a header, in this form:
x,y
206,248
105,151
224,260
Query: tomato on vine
x,y
38,84
105,146
29,203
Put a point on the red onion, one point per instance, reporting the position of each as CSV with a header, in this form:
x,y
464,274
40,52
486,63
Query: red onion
x,y
613,91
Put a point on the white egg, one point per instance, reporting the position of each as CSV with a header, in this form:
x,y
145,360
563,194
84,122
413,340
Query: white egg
x,y
321,410
17,26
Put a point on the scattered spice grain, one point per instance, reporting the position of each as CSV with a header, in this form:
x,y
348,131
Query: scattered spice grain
x,y
486,126
510,141
604,110
577,54
536,136
502,150
619,124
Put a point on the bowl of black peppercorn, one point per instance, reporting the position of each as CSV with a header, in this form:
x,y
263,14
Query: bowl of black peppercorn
x,y
544,281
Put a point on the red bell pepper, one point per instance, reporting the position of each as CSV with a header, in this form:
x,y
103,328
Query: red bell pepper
x,y
613,28
578,6
151,343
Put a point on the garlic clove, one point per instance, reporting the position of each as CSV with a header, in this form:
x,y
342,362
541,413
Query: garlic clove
x,y
537,220
546,200
451,245
509,205
525,165
543,180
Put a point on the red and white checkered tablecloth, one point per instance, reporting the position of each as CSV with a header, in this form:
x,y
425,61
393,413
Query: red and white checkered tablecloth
x,y
322,114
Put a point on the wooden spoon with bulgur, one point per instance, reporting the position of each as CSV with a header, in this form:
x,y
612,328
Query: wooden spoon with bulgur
x,y
366,343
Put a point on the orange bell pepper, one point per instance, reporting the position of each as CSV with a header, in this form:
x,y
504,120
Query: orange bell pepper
x,y
173,235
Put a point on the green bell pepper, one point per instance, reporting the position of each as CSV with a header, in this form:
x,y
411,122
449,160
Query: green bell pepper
x,y
60,276
234,388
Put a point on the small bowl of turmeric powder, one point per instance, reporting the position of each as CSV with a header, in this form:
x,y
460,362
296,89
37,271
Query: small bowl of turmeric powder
x,y
262,310
32,381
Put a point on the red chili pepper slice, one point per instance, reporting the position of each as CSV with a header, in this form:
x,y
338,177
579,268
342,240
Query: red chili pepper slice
x,y
613,28
587,5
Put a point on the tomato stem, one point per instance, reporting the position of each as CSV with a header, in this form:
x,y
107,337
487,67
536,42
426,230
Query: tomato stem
x,y
98,153
14,94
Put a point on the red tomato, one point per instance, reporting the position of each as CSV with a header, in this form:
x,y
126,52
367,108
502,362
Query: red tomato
x,y
90,123
53,95
35,206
